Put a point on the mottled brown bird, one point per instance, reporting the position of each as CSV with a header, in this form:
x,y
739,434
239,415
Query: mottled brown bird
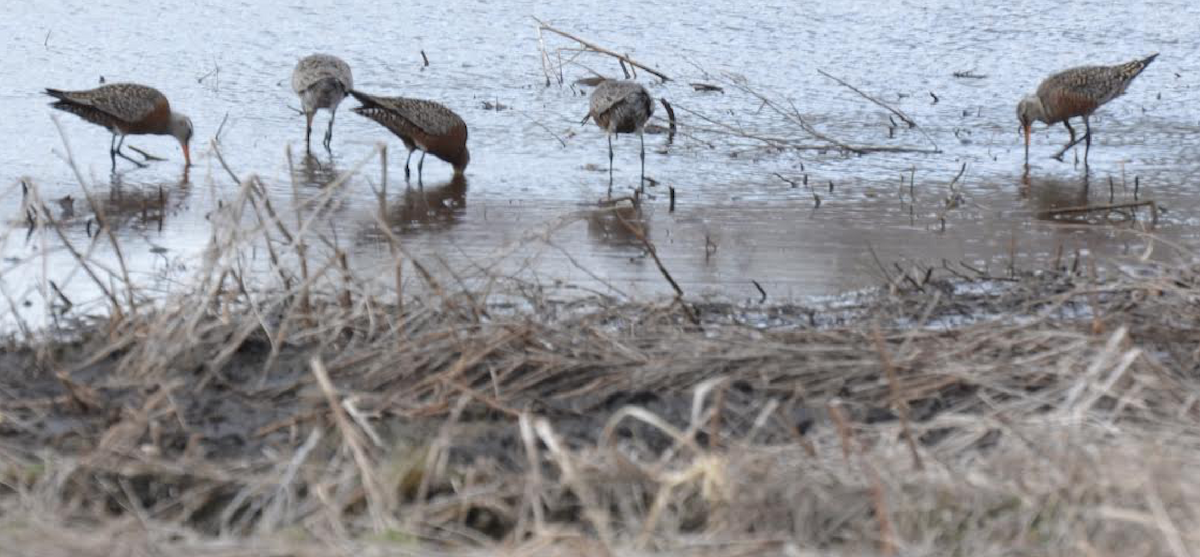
x,y
422,125
126,109
621,107
1077,92
321,81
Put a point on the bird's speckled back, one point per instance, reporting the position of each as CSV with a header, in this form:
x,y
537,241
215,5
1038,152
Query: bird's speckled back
x,y
1096,84
316,67
128,102
431,117
620,106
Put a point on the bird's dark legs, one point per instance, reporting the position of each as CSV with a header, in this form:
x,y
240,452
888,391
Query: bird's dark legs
x,y
1087,136
1073,140
112,152
642,139
406,173
329,130
308,118
420,166
610,164
116,152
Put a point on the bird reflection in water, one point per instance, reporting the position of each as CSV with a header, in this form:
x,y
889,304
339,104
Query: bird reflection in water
x,y
430,207
620,225
1047,194
311,172
142,204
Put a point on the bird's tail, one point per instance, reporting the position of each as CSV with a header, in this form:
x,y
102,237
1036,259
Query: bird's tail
x,y
370,107
328,83
66,103
57,93
364,98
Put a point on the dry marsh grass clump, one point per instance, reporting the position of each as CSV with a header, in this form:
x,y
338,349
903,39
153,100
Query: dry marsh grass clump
x,y
301,410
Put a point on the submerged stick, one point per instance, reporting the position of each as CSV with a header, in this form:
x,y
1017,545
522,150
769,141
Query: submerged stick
x,y
760,291
1107,208
637,233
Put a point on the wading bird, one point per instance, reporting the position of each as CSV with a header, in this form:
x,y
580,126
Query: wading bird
x,y
321,81
1077,92
621,107
422,125
126,109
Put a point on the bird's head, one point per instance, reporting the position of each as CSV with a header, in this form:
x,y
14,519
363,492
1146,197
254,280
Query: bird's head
x,y
1029,109
181,129
460,164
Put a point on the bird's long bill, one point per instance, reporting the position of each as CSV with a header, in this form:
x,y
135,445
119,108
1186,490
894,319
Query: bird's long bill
x,y
1026,129
187,155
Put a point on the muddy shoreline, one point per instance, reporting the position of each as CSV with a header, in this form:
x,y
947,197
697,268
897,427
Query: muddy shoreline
x,y
429,426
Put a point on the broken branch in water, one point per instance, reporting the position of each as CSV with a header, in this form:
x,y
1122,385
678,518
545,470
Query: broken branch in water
x,y
641,236
670,119
952,182
220,128
544,127
790,182
760,291
546,59
952,200
895,111
1109,208
792,114
911,123
595,48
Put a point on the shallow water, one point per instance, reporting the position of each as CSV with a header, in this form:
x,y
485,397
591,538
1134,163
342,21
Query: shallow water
x,y
536,173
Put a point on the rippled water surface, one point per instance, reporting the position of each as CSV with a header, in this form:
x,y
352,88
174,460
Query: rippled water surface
x,y
528,203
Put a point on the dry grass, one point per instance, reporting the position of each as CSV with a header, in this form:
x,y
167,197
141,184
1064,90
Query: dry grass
x,y
301,410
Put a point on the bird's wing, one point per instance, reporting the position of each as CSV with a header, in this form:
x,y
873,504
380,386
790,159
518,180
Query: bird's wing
x,y
126,101
606,95
431,117
1077,90
316,67
610,93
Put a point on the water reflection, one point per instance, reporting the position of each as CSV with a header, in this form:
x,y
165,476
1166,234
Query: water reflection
x,y
429,208
311,172
1049,193
621,225
141,203
1071,201
734,218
